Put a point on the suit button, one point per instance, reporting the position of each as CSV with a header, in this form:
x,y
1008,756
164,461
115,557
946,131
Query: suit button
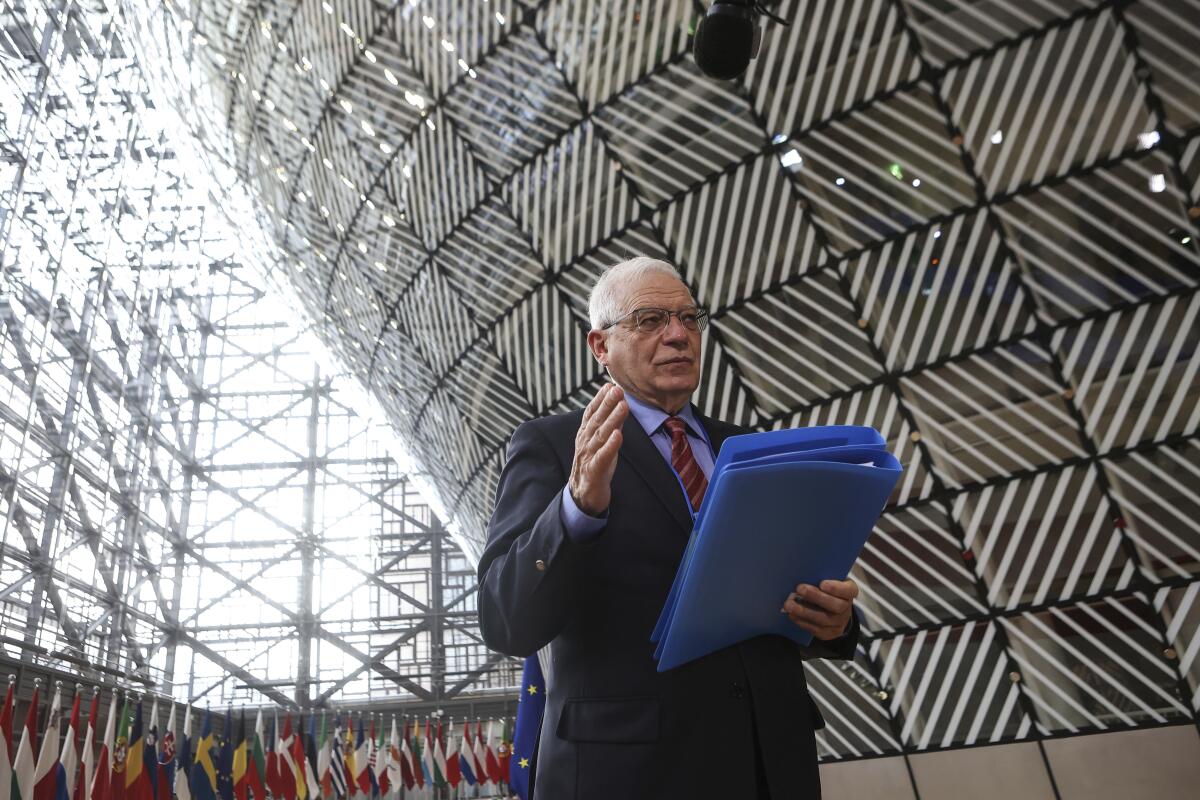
x,y
541,565
735,691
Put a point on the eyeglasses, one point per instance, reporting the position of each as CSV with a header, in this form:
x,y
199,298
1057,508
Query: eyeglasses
x,y
653,320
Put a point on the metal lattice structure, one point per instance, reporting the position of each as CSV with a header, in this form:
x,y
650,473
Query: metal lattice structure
x,y
969,224
192,500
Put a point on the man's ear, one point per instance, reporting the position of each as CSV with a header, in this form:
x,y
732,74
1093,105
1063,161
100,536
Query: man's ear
x,y
598,344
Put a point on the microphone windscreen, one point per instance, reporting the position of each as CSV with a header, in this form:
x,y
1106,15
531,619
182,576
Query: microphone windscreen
x,y
723,46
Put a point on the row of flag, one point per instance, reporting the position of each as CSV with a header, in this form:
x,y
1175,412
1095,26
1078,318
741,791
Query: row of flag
x,y
281,762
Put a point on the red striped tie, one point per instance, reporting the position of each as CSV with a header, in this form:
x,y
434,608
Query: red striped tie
x,y
694,482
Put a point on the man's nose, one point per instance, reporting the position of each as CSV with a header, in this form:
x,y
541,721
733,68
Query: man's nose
x,y
674,332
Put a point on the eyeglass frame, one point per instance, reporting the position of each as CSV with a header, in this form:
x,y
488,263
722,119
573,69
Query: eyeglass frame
x,y
702,318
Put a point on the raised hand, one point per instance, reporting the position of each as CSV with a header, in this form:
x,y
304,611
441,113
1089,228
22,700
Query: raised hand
x,y
596,447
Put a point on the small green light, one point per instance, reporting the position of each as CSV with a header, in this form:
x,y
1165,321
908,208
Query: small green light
x,y
896,171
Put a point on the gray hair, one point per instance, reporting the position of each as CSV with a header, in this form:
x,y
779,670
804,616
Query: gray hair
x,y
606,301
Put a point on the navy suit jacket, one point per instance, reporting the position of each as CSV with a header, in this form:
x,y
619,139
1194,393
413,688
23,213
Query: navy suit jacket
x,y
615,727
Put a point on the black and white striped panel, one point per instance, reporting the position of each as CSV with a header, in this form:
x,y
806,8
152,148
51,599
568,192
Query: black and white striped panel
x,y
854,709
1190,164
951,686
1095,666
443,428
401,376
876,174
941,291
569,196
1044,539
1180,610
800,344
516,107
838,54
1110,237
394,253
914,573
439,34
677,129
447,180
742,234
1159,506
1169,43
606,45
1063,99
993,414
433,313
485,390
1136,373
543,343
576,282
489,260
723,392
950,30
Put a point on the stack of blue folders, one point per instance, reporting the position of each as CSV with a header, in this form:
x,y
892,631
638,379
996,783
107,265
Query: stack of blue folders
x,y
782,508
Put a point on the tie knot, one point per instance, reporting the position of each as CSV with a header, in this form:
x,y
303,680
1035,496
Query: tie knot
x,y
675,426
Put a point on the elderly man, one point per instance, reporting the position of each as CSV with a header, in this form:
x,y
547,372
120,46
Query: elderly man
x,y
592,515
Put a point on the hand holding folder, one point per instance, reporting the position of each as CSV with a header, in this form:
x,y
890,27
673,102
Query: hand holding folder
x,y
782,508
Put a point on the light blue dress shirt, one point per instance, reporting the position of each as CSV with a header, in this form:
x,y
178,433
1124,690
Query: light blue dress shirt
x,y
581,526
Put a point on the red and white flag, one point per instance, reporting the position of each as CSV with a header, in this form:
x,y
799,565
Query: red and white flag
x,y
46,772
87,761
24,769
6,743
101,788
64,779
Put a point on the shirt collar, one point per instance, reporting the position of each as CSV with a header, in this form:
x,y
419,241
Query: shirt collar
x,y
651,417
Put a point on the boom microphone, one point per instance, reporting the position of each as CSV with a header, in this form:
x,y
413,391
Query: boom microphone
x,y
728,37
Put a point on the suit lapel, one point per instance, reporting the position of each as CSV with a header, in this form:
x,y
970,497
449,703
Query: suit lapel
x,y
640,453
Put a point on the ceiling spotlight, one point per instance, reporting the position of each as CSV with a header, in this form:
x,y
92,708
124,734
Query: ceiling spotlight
x,y
998,137
1158,183
790,159
428,20
840,181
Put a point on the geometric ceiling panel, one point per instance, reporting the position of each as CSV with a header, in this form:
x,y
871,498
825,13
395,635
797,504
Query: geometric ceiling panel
x,y
873,175
913,573
520,105
969,294
952,687
841,55
1046,537
1169,44
970,225
724,258
1062,99
994,414
1096,666
953,29
1135,372
570,196
677,129
1109,237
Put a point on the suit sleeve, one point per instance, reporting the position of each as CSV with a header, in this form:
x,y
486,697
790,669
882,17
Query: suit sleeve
x,y
839,649
531,569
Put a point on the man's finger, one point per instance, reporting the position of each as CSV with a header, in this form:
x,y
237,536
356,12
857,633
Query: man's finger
x,y
594,403
602,422
847,589
808,613
813,596
611,398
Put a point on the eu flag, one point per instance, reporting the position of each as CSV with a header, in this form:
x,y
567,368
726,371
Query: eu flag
x,y
225,759
529,724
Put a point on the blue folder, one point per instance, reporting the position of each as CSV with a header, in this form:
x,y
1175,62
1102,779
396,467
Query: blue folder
x,y
782,508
